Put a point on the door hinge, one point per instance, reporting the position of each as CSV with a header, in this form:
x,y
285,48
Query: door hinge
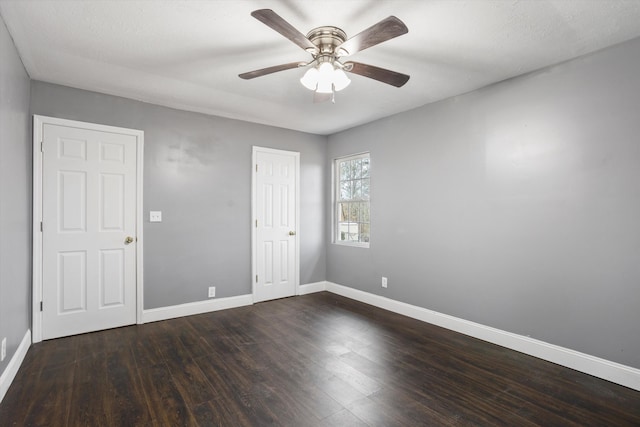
x,y
256,278
40,305
256,223
256,167
42,146
41,227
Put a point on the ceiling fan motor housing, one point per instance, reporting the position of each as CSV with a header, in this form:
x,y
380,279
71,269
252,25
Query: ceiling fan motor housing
x,y
326,39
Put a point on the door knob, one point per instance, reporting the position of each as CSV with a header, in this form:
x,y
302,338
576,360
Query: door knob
x,y
292,233
128,240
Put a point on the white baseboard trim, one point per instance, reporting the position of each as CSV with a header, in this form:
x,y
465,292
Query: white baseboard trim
x,y
601,368
14,364
199,307
311,288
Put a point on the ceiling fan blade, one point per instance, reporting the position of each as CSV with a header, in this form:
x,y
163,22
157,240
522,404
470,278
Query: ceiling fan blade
x,y
276,22
385,76
384,30
264,71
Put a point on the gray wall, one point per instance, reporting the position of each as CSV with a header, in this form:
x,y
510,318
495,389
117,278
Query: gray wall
x,y
15,197
516,206
197,171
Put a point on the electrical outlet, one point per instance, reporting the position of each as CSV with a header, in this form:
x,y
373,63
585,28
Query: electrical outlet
x,y
212,291
384,282
3,353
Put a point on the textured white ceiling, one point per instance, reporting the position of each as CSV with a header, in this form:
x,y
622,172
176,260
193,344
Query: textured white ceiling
x,y
188,54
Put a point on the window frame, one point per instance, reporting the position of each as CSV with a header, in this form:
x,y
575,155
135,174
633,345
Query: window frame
x,y
336,200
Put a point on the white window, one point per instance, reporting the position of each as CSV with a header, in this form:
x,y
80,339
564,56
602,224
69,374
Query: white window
x,y
352,201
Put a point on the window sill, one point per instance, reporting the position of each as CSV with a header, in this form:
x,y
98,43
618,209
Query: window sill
x,y
353,244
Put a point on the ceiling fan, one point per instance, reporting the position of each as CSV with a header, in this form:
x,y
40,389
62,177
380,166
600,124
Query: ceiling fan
x,y
328,45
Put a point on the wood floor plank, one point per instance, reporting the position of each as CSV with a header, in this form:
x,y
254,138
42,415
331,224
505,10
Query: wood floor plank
x,y
165,403
53,400
90,375
244,395
124,395
316,360
221,412
343,418
340,391
192,384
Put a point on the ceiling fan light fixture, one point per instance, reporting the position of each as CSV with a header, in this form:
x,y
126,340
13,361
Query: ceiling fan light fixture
x,y
310,79
340,80
325,73
325,86
325,78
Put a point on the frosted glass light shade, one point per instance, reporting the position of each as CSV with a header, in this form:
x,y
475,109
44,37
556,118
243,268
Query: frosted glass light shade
x,y
325,86
325,78
310,79
340,80
326,71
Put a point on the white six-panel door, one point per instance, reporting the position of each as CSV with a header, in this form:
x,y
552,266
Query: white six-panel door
x,y
275,221
89,230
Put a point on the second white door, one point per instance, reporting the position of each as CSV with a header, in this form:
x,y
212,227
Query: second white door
x,y
275,243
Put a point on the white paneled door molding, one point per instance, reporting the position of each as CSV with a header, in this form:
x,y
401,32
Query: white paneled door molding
x,y
275,219
88,208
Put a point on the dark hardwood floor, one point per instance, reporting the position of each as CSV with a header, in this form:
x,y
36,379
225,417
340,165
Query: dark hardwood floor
x,y
315,360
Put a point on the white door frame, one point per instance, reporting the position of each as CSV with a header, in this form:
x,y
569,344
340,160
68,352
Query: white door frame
x,y
254,216
38,125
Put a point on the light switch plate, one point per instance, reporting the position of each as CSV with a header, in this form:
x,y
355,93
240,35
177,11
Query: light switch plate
x,y
155,216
